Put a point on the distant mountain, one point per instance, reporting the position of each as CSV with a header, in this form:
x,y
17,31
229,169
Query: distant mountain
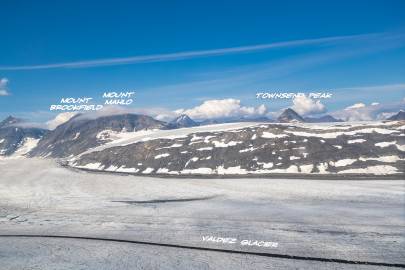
x,y
399,116
9,121
15,138
289,115
181,122
322,119
251,119
235,120
81,133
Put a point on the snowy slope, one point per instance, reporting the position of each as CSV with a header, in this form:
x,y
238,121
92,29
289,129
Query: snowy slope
x,y
16,140
251,148
81,133
39,197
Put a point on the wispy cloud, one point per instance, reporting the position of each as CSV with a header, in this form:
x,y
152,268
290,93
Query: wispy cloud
x,y
252,76
347,94
194,54
3,87
379,88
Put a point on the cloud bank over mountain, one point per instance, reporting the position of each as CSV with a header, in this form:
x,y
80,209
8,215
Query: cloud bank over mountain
x,y
223,108
234,109
305,105
60,119
374,111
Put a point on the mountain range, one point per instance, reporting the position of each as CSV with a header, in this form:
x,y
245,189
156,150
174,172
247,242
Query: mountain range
x,y
81,133
14,136
141,144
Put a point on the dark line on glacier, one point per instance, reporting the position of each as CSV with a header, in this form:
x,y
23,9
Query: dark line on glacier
x,y
167,200
286,176
261,254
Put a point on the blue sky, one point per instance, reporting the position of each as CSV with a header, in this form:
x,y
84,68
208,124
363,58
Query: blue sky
x,y
176,54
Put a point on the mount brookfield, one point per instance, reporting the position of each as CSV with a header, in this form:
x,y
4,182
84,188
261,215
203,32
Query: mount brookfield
x,y
139,144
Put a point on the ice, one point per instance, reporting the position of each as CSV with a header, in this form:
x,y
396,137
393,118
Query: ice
x,y
356,141
222,144
377,170
91,166
388,159
176,145
127,170
231,170
194,159
111,168
196,138
333,135
205,149
197,171
323,167
77,135
148,170
266,165
343,162
306,168
162,155
162,170
26,146
268,135
386,144
250,149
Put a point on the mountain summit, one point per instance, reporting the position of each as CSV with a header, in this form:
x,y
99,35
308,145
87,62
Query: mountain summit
x,y
399,116
81,133
9,121
15,138
289,115
182,121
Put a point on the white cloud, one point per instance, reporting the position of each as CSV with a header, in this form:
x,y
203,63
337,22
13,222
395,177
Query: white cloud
x,y
363,112
223,108
60,119
306,105
31,125
167,116
356,106
385,115
159,113
3,87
